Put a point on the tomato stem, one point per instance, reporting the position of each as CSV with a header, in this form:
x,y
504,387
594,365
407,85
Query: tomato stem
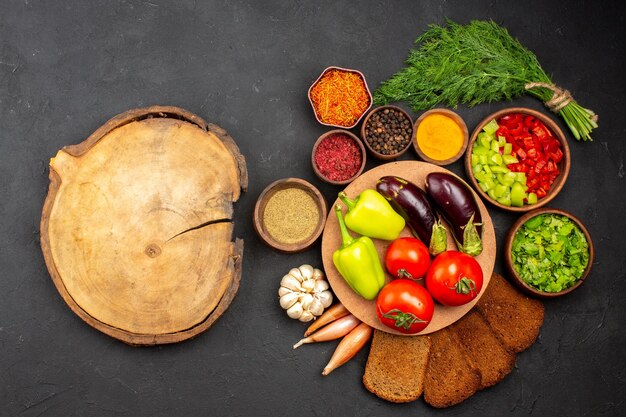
x,y
404,320
464,286
403,273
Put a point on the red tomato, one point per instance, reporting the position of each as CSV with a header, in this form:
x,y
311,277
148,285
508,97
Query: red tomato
x,y
407,257
455,278
405,306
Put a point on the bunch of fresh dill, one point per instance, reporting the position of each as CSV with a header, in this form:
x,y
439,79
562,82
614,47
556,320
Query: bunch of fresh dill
x,y
476,63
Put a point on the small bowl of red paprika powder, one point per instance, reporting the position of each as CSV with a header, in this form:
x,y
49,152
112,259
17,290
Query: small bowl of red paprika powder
x,y
338,157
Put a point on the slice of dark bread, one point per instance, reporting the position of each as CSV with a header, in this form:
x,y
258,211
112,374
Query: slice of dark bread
x,y
484,349
514,318
450,375
396,366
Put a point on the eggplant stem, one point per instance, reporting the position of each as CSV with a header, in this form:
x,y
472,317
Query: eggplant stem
x,y
472,243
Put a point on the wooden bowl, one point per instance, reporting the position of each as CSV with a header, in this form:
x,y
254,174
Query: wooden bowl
x,y
360,74
508,244
351,136
375,153
454,117
261,203
564,165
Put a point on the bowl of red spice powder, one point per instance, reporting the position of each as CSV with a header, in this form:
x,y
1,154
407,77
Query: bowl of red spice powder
x,y
338,157
340,97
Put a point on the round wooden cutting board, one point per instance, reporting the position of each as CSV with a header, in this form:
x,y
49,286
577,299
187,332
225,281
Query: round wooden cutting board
x,y
136,229
365,310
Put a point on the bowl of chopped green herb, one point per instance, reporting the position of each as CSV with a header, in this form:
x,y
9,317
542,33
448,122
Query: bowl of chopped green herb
x,y
548,252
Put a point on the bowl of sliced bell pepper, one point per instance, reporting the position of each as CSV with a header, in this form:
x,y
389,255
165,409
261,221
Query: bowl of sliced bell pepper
x,y
517,159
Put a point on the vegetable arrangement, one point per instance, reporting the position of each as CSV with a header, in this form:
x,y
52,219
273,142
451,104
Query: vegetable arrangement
x,y
514,159
478,63
455,277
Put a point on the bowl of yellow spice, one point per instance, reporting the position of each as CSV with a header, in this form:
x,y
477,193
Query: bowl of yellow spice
x,y
440,136
289,215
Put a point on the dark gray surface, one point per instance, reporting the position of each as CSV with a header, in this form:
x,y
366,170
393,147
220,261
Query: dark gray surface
x,y
66,67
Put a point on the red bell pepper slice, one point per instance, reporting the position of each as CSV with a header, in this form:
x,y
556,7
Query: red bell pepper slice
x,y
540,132
556,156
519,130
503,131
530,121
539,165
541,192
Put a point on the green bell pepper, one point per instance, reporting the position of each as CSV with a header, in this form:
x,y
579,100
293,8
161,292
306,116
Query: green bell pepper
x,y
371,215
358,263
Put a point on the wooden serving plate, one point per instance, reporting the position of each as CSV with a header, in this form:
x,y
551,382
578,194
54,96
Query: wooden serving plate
x,y
137,225
365,310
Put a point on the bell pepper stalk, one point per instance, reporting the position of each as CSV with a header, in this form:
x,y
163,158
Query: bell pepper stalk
x,y
358,263
371,215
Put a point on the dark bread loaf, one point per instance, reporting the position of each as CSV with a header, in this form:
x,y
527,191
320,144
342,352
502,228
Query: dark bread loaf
x,y
450,375
475,352
484,349
396,366
514,318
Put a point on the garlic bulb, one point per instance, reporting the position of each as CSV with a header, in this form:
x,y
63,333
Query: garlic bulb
x,y
304,293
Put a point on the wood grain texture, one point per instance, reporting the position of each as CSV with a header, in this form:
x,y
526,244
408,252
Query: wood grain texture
x,y
136,228
331,240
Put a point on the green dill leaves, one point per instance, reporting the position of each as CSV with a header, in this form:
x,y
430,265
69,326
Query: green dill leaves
x,y
472,64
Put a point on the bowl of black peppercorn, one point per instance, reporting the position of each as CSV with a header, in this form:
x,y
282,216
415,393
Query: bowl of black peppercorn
x,y
387,132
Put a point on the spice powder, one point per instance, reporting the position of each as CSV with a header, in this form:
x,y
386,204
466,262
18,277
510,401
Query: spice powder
x,y
439,137
338,157
290,216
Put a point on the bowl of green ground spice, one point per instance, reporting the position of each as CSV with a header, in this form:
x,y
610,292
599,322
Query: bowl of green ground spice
x,y
289,215
548,252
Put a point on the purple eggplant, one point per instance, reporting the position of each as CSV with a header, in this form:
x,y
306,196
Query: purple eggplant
x,y
456,203
408,200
